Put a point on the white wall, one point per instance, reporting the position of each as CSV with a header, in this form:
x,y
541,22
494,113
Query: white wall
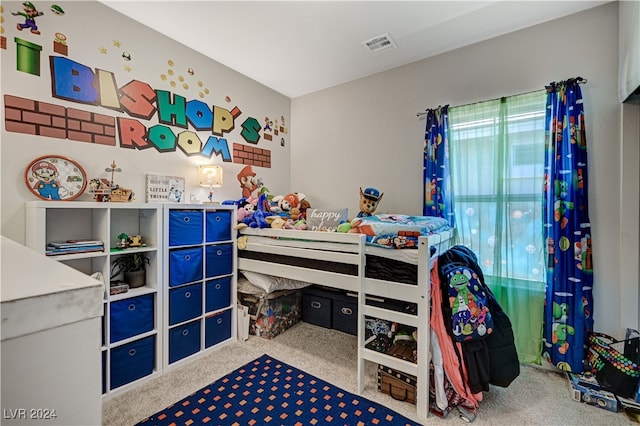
x,y
88,27
629,49
630,216
366,133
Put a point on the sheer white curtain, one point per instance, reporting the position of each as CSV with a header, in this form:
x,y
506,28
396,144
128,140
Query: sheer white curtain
x,y
497,174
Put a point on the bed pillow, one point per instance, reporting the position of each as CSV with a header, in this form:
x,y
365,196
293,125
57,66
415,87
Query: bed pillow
x,y
245,287
325,219
271,283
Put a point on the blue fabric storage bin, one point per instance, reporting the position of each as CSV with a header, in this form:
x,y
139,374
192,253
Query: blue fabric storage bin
x,y
219,260
185,303
185,265
132,361
218,226
184,340
185,227
316,309
217,328
345,313
131,316
217,294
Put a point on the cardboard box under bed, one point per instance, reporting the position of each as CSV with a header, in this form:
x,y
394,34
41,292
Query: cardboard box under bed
x,y
274,313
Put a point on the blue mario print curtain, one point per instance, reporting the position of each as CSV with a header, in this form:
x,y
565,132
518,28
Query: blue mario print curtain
x,y
568,315
437,178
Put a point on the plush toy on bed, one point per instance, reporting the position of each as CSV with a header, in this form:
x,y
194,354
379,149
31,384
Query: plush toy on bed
x,y
284,203
246,207
257,219
369,199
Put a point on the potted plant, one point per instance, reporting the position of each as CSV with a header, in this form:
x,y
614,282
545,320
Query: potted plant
x,y
132,265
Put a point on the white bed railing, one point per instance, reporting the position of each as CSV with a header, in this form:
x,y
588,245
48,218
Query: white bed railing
x,y
350,249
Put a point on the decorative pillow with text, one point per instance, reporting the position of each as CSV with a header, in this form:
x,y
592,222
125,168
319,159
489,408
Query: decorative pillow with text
x,y
325,219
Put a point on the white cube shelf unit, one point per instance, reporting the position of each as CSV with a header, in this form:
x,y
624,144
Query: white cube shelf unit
x,y
199,271
132,332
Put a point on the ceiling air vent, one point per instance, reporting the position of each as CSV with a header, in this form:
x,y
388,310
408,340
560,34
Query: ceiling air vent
x,y
379,44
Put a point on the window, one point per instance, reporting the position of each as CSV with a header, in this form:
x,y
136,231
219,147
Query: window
x,y
497,175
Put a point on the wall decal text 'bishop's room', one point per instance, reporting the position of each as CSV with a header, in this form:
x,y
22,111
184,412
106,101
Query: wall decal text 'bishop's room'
x,y
75,82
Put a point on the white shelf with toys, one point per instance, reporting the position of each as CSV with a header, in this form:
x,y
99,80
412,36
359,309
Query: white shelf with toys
x,y
96,238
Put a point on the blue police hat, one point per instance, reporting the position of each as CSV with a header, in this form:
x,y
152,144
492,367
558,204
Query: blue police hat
x,y
371,194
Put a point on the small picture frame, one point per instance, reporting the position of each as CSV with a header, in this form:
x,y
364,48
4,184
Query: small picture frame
x,y
164,189
55,178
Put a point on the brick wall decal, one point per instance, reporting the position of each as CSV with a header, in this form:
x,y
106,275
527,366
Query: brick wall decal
x,y
44,119
245,154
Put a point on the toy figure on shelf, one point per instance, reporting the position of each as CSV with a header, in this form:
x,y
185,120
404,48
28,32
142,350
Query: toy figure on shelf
x,y
104,190
135,241
123,241
100,189
369,199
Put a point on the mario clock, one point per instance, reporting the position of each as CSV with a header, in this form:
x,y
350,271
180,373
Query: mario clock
x,y
53,177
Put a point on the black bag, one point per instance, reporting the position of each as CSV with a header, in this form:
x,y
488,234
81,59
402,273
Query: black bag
x,y
504,365
614,371
632,345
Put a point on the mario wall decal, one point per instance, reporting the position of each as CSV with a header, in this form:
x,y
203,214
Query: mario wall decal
x,y
249,183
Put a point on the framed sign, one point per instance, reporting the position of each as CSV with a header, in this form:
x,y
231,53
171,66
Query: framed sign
x,y
164,189
53,177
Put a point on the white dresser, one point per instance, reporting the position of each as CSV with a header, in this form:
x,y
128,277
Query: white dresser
x,y
50,341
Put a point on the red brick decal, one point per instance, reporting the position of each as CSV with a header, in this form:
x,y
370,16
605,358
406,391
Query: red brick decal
x,y
245,154
55,121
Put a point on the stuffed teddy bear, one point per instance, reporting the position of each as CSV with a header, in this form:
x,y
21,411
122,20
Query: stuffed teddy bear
x,y
294,213
304,205
369,199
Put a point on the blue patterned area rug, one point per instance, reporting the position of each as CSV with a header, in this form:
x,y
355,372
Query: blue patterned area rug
x,y
269,392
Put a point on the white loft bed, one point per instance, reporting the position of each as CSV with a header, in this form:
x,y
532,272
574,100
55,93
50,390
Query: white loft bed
x,y
283,248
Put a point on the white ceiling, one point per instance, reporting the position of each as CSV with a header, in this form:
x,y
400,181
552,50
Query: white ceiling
x,y
299,47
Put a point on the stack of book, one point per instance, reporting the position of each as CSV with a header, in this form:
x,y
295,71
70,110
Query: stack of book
x,y
73,246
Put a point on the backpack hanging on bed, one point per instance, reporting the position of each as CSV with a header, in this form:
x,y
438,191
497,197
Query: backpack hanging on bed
x,y
468,304
503,363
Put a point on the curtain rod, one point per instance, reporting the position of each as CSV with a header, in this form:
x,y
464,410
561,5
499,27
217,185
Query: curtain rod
x,y
579,80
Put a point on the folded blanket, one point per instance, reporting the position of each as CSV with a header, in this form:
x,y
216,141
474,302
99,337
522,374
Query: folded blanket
x,y
397,230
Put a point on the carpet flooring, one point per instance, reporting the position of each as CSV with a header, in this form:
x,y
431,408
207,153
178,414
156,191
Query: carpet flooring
x,y
536,397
